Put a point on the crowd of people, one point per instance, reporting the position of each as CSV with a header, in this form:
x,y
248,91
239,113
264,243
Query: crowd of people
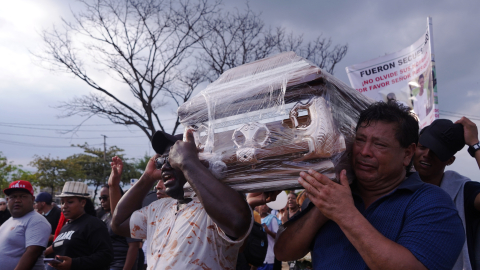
x,y
401,210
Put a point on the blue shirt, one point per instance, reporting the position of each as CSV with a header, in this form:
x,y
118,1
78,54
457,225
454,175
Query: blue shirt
x,y
419,216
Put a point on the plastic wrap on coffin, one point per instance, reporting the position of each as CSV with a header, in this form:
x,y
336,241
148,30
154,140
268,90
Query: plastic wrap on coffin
x,y
259,125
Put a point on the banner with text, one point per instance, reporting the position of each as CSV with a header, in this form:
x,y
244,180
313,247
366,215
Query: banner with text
x,y
407,76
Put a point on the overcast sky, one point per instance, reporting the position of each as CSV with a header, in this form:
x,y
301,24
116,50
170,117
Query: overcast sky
x,y
29,125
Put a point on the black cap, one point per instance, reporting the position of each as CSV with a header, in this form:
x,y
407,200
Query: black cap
x,y
161,140
443,137
44,197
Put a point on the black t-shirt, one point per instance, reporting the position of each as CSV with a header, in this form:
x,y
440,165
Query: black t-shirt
x,y
119,243
472,219
53,217
87,242
4,216
100,212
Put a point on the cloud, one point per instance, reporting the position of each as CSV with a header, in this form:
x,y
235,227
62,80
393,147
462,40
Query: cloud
x,y
371,28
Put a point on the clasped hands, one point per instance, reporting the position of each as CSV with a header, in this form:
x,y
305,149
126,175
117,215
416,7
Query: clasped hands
x,y
331,198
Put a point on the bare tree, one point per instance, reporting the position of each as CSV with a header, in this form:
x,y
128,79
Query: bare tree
x,y
236,38
145,44
161,50
319,50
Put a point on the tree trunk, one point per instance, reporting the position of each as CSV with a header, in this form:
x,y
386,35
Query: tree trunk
x,y
97,184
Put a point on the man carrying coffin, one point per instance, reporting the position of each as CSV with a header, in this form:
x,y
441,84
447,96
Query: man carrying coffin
x,y
386,219
184,233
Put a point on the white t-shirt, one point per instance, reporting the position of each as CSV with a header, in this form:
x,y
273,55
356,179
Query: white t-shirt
x,y
273,226
16,234
420,105
183,239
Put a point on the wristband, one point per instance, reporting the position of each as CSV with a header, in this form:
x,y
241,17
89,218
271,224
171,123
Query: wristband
x,y
474,148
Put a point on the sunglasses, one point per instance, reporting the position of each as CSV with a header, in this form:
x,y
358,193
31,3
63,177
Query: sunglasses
x,y
160,161
103,198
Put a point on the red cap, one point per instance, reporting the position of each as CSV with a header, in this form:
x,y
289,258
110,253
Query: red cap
x,y
19,184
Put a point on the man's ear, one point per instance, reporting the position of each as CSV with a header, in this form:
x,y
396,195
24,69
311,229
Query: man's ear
x,y
450,161
409,152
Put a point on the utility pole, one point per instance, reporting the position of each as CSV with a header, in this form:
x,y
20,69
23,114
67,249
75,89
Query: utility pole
x,y
104,154
104,147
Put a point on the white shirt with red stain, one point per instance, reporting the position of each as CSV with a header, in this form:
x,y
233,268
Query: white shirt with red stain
x,y
183,239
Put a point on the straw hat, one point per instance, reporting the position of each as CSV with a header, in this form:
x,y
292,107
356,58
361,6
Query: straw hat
x,y
74,189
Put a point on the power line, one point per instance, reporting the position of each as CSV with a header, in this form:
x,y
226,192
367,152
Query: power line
x,y
455,118
58,125
460,115
78,138
66,130
63,125
36,145
121,145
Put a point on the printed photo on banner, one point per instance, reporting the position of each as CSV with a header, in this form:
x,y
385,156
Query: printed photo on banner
x,y
407,76
422,94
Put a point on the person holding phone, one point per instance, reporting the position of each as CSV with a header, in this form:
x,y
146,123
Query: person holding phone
x,y
84,242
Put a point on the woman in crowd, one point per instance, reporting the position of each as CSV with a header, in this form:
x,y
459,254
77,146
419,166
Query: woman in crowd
x,y
292,205
290,209
83,242
4,213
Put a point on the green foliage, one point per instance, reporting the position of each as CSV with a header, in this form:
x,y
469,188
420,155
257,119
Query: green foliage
x,y
10,172
89,167
54,172
97,169
141,163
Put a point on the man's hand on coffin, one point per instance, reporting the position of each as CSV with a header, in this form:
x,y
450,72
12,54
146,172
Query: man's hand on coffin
x,y
226,207
183,153
260,198
332,199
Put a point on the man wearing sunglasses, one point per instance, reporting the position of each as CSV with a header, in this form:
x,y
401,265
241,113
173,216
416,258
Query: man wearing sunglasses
x,y
205,231
125,249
